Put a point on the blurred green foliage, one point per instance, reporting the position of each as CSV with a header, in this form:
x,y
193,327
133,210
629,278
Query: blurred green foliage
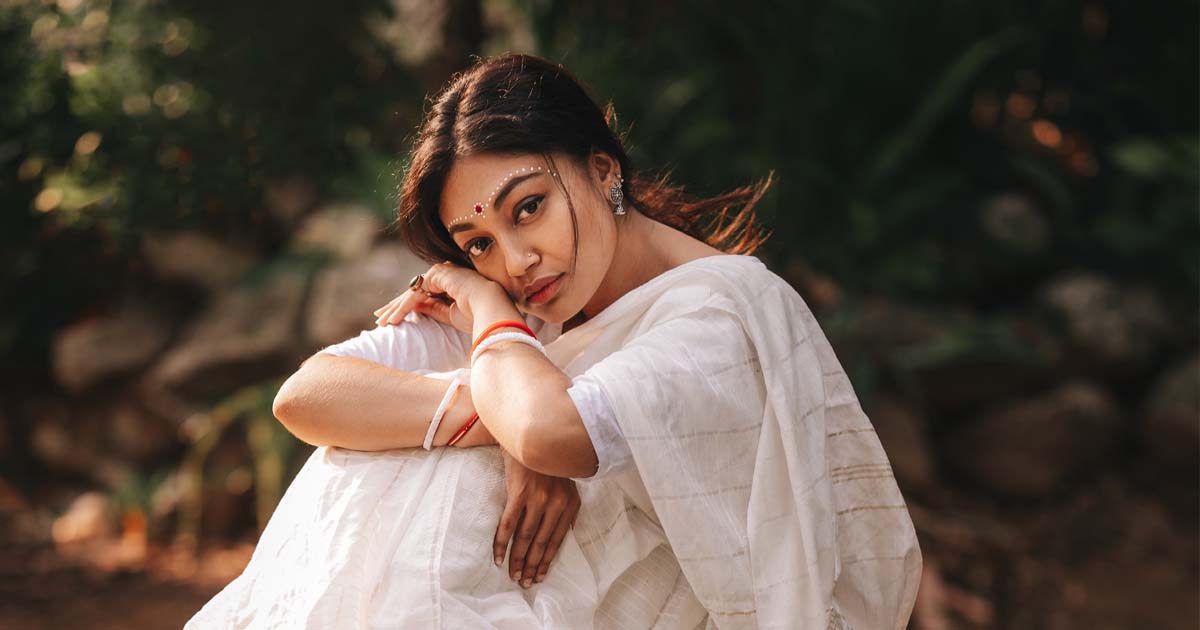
x,y
272,458
120,117
892,127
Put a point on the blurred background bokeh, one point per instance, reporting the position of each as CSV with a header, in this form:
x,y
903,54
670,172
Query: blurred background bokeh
x,y
991,206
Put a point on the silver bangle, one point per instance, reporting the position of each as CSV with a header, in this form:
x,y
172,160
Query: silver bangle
x,y
507,336
441,410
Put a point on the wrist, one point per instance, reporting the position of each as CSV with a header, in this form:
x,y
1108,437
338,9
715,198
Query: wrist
x,y
460,412
491,307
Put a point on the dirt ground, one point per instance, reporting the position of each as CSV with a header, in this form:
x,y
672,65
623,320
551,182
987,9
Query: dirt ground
x,y
43,587
1109,557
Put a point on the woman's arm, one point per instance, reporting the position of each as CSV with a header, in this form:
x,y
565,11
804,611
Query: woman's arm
x,y
521,395
358,404
522,399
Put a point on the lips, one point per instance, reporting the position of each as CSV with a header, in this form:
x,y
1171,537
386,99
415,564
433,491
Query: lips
x,y
540,284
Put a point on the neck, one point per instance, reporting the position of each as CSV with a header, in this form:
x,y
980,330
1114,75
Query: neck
x,y
636,260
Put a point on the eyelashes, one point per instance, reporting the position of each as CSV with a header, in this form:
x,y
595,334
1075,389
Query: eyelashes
x,y
533,205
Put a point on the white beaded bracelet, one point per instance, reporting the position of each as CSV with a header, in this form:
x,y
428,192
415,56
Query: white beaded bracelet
x,y
441,410
507,336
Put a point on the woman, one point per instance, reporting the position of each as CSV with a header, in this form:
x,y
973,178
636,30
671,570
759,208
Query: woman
x,y
727,476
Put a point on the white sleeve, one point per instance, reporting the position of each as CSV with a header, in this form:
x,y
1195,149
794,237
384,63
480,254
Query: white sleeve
x,y
418,344
596,410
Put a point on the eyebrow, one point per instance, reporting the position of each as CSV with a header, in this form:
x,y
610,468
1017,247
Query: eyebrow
x,y
512,183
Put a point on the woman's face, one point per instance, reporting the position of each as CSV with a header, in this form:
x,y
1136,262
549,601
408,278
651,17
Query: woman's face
x,y
510,216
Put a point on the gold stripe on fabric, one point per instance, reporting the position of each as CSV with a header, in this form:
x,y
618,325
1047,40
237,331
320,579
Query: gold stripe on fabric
x,y
741,429
846,561
872,507
672,497
740,552
860,477
862,430
859,468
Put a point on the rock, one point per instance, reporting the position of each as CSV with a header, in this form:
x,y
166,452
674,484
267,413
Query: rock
x,y
971,363
1171,415
1013,219
346,231
1033,447
345,295
877,327
245,335
901,430
137,435
66,442
1115,326
288,199
195,258
92,515
95,350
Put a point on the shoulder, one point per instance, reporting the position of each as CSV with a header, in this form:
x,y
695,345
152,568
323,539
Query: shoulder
x,y
737,300
732,282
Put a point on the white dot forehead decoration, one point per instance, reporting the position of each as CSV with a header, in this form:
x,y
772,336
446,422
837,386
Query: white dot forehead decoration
x,y
479,208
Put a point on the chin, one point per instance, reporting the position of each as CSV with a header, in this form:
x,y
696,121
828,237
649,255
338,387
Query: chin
x,y
553,313
550,316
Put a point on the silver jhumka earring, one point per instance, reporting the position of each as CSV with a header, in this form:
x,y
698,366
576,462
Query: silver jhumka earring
x,y
616,195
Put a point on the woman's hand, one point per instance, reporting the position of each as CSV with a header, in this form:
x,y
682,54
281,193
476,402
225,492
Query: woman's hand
x,y
538,511
445,295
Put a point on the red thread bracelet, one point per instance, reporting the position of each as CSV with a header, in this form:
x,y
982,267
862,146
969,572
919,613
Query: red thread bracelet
x,y
507,323
458,435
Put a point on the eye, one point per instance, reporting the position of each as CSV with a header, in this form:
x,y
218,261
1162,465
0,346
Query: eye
x,y
470,248
533,205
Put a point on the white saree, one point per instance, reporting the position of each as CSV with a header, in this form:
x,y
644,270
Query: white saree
x,y
760,495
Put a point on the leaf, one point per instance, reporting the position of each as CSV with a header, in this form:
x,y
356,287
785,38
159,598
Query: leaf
x,y
941,97
1142,157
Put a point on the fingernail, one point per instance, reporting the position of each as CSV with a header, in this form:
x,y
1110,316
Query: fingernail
x,y
526,582
540,578
499,560
516,576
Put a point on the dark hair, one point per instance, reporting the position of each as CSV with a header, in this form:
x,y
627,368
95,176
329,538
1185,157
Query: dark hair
x,y
520,104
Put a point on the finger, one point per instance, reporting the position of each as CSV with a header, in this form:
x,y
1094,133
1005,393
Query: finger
x,y
537,549
396,312
383,308
437,310
408,306
388,308
389,304
504,531
564,525
404,308
412,298
526,531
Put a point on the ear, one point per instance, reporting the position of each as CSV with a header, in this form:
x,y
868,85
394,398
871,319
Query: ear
x,y
604,169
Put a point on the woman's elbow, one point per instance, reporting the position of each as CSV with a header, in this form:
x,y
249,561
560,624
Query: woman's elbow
x,y
553,451
284,405
289,411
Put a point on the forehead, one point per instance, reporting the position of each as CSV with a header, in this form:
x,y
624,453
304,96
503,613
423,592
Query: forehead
x,y
474,179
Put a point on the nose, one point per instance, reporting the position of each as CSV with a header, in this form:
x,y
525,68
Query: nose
x,y
518,259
